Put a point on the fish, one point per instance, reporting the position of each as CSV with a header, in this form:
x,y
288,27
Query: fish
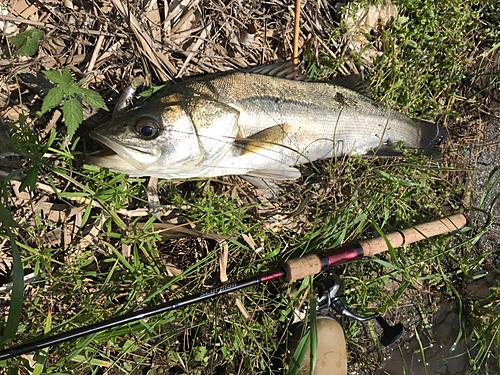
x,y
258,123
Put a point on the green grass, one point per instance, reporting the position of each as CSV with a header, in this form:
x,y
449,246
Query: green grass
x,y
424,58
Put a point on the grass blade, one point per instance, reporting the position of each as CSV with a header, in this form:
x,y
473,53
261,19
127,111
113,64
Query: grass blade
x,y
300,354
16,301
313,323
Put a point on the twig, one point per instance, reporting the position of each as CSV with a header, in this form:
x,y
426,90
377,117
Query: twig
x,y
158,59
197,45
296,33
95,54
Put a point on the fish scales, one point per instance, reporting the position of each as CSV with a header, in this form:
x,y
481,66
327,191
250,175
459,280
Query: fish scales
x,y
246,123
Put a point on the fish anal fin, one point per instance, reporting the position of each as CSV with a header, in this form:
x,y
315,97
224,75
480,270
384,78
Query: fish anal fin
x,y
386,150
265,187
355,83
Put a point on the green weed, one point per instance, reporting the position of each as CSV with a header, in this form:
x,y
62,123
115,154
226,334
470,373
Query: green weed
x,y
67,92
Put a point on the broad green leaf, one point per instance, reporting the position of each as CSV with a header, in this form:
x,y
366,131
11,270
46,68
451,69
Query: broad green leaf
x,y
93,99
53,99
91,168
72,89
199,353
53,76
27,42
66,77
73,115
127,366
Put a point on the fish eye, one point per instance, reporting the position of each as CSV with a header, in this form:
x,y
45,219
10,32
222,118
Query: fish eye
x,y
147,128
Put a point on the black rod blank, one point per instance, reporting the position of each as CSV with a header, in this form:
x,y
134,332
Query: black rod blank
x,y
44,342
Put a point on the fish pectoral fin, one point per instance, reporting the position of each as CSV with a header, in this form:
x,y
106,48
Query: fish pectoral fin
x,y
287,173
265,139
355,83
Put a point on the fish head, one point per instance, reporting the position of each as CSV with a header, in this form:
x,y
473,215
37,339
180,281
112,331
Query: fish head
x,y
156,136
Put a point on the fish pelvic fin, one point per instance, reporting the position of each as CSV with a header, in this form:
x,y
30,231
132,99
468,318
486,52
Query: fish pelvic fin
x,y
285,173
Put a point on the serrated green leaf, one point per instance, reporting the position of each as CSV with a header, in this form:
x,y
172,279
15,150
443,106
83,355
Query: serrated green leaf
x,y
53,76
93,99
72,89
27,42
66,77
53,99
73,115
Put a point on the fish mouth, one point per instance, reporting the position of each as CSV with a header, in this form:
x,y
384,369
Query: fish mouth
x,y
114,155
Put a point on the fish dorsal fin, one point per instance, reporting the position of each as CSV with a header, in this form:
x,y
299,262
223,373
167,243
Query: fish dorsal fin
x,y
286,69
355,83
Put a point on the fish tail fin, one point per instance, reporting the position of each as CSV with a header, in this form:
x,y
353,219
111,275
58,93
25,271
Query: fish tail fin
x,y
431,135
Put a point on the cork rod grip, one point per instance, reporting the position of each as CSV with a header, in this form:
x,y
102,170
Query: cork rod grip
x,y
418,232
309,265
298,268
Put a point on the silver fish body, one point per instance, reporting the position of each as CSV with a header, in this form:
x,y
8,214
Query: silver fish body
x,y
252,124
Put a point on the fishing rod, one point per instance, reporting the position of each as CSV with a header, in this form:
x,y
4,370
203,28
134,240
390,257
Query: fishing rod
x,y
292,270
